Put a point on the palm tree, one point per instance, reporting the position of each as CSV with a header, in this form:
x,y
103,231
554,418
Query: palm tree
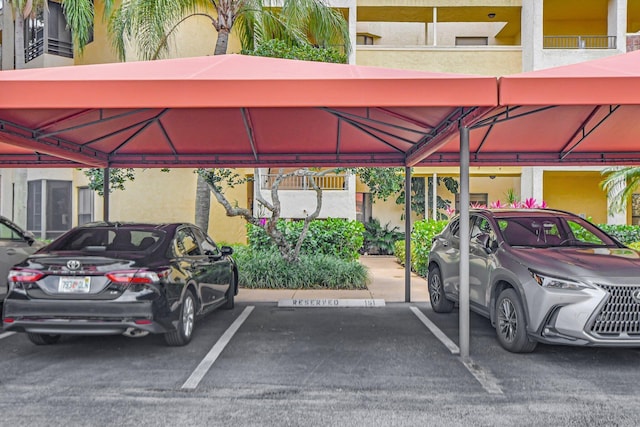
x,y
295,22
149,25
620,183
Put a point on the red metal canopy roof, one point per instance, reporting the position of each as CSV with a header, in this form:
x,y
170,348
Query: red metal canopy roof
x,y
232,111
581,114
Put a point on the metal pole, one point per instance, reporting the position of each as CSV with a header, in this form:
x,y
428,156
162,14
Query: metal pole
x,y
407,233
105,191
464,242
435,24
434,194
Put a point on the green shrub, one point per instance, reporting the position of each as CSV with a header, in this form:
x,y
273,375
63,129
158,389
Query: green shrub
x,y
399,251
421,236
624,233
634,245
380,240
340,238
267,269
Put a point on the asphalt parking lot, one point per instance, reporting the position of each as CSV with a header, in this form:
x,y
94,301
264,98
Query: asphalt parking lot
x,y
314,366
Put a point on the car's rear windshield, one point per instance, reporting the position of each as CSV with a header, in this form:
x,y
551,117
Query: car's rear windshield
x,y
100,239
547,231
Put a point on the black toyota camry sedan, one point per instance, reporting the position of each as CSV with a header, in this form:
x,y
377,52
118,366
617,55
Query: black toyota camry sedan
x,y
120,278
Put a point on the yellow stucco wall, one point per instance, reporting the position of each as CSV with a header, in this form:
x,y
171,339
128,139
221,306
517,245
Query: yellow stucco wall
x,y
491,62
577,192
99,51
156,196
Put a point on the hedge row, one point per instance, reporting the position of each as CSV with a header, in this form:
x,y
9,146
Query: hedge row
x,y
337,237
267,269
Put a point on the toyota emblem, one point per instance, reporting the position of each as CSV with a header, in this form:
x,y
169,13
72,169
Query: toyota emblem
x,y
636,295
73,264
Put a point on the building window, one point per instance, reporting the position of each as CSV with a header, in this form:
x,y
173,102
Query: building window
x,y
472,41
60,43
48,208
362,39
85,205
34,206
34,36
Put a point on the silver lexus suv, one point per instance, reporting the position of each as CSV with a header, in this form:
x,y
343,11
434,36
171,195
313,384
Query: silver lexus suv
x,y
541,275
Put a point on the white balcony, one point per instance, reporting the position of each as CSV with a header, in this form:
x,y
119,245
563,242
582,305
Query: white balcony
x,y
298,198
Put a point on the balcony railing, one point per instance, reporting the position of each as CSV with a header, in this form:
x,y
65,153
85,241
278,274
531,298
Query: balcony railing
x,y
579,42
38,45
60,48
327,182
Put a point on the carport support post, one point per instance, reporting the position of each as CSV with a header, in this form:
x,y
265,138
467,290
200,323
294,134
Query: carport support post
x,y
105,192
464,243
407,233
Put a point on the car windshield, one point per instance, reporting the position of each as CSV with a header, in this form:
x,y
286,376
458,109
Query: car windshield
x,y
101,239
547,231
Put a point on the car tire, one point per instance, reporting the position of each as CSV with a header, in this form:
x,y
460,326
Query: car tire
x,y
43,339
230,295
186,323
511,323
439,302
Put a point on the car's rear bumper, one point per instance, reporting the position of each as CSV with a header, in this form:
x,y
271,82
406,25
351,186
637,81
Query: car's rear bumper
x,y
81,317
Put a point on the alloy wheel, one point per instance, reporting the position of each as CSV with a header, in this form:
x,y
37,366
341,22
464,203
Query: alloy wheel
x,y
188,316
435,288
507,320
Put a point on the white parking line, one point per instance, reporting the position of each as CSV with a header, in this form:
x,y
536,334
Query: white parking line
x,y
206,363
6,335
484,377
453,348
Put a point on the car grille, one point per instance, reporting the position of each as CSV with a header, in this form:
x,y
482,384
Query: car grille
x,y
620,314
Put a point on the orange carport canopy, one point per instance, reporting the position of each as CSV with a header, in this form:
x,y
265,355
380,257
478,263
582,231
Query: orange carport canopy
x,y
232,111
582,114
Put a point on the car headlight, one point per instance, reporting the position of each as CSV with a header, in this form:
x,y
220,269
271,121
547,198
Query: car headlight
x,y
551,282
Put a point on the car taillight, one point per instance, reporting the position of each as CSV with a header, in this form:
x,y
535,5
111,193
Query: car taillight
x,y
24,276
133,277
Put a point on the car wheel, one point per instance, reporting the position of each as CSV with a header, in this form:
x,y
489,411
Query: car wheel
x,y
43,339
231,293
439,302
186,323
511,324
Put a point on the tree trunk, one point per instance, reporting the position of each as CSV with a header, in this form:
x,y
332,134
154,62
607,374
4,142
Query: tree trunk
x,y
203,204
223,41
203,194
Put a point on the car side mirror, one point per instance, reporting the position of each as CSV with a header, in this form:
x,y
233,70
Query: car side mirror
x,y
226,250
483,240
29,237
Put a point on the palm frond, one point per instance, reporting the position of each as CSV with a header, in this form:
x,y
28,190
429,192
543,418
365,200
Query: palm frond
x,y
79,15
620,183
151,21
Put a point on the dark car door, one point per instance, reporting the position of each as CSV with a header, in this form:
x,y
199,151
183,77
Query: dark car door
x,y
448,248
481,259
220,267
194,263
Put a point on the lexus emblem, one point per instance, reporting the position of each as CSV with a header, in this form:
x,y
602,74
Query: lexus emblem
x,y
73,264
636,295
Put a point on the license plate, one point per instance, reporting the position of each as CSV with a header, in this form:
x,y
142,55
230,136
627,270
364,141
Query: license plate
x,y
74,285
